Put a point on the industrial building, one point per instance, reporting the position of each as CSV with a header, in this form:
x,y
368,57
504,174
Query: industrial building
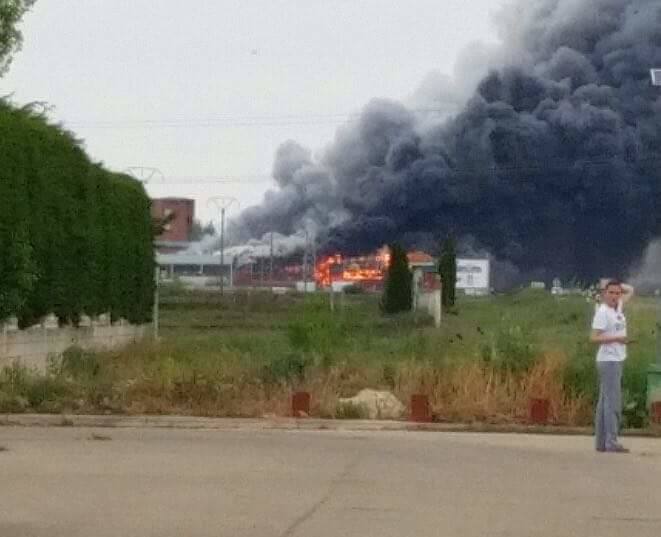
x,y
177,230
197,270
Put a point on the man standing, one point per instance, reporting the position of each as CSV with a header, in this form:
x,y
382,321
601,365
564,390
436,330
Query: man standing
x,y
609,330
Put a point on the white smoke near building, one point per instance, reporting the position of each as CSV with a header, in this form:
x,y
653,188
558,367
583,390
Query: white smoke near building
x,y
275,244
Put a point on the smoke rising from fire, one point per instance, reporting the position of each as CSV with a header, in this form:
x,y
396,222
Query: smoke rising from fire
x,y
550,161
254,249
646,276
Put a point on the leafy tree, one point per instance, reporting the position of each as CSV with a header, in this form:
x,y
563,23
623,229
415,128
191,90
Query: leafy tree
x,y
447,268
11,13
397,296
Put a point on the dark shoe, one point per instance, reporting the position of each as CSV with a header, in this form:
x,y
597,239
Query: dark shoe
x,y
618,449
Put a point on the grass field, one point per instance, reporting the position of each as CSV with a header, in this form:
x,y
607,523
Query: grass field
x,y
243,355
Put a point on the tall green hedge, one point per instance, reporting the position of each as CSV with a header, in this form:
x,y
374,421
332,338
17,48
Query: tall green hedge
x,y
74,238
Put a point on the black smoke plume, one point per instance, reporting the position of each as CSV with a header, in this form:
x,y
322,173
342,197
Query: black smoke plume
x,y
553,164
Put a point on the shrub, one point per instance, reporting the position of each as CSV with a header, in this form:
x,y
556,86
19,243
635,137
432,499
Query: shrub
x,y
580,374
287,368
21,389
397,296
351,411
511,349
298,335
354,289
447,269
79,364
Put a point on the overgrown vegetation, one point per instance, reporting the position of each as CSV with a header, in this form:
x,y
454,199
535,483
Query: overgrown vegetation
x,y
244,354
75,238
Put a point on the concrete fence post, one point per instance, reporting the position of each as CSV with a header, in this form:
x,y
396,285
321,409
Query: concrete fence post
x,y
3,340
49,324
438,308
99,329
10,325
156,306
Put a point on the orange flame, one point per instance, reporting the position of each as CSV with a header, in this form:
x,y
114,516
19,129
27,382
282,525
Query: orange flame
x,y
370,268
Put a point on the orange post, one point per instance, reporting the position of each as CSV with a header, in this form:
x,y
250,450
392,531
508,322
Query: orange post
x,y
300,404
420,411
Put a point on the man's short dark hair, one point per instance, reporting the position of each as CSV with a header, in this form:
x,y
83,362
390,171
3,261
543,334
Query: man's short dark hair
x,y
611,283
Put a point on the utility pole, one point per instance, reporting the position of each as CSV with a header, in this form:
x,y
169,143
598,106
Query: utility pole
x,y
654,371
332,297
314,262
655,75
144,174
271,266
222,203
657,295
222,249
305,264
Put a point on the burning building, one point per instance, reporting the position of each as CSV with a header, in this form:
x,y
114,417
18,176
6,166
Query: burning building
x,y
549,160
367,271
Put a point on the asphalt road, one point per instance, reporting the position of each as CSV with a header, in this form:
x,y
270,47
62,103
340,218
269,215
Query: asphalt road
x,y
69,482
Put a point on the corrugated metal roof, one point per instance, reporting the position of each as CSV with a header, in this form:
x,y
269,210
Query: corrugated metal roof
x,y
172,244
174,198
191,259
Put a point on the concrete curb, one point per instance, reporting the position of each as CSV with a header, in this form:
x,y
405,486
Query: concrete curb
x,y
275,423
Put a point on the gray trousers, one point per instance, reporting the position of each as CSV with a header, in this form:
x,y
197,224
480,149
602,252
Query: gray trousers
x,y
609,407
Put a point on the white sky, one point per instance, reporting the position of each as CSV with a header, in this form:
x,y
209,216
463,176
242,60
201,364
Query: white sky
x,y
210,88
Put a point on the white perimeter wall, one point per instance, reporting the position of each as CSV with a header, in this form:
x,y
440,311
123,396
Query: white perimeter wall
x,y
33,346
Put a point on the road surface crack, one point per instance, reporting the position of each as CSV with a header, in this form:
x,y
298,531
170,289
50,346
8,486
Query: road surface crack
x,y
290,531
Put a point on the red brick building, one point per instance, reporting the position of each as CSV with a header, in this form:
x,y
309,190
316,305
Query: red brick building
x,y
179,228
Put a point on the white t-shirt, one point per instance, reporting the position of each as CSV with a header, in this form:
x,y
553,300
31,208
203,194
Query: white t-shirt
x,y
611,322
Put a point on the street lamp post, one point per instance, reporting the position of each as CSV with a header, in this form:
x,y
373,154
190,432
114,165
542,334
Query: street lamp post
x,y
305,263
310,250
654,372
655,75
657,298
222,203
271,265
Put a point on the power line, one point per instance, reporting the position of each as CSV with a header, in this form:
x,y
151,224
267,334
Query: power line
x,y
237,121
524,165
213,180
558,164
